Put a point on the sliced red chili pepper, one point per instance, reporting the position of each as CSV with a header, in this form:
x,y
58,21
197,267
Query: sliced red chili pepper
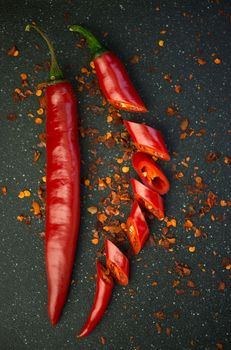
x,y
137,228
150,173
148,199
63,185
113,78
147,139
104,287
117,263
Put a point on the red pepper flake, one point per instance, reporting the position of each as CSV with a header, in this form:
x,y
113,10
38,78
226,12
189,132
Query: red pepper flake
x,y
217,61
159,315
36,208
171,111
184,124
12,117
175,283
102,217
178,175
212,157
211,200
135,59
191,284
103,340
178,88
180,291
4,190
221,286
171,222
13,51
201,61
36,157
219,346
188,224
168,77
182,269
168,331
158,328
227,160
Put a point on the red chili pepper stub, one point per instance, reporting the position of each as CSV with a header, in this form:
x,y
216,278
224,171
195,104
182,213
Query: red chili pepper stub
x,y
147,139
137,228
148,199
113,78
104,287
63,185
150,173
117,263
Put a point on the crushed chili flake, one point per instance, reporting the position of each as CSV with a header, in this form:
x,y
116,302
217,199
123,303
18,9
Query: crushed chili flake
x,y
212,157
158,328
201,61
182,269
103,340
192,249
211,200
221,285
20,218
191,284
159,315
92,210
171,222
38,120
217,61
227,160
188,224
12,117
13,51
36,157
4,190
175,283
178,88
135,59
184,124
36,209
168,77
171,111
219,346
38,92
95,241
102,217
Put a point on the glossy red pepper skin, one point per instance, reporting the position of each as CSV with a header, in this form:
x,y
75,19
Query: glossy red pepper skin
x,y
137,228
117,263
147,139
116,84
112,75
104,287
148,199
155,178
63,193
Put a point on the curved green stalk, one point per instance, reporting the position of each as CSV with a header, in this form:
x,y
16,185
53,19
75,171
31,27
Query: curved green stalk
x,y
55,71
94,45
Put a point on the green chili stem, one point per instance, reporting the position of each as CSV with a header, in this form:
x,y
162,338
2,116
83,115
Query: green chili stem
x,y
94,45
55,71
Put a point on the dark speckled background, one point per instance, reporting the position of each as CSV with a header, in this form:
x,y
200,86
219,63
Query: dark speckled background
x,y
133,28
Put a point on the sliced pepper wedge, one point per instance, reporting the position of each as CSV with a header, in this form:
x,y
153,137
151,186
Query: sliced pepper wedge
x,y
148,199
117,263
147,139
150,173
137,228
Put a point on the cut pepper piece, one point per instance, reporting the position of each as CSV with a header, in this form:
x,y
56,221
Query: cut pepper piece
x,y
148,199
117,263
150,173
137,228
147,139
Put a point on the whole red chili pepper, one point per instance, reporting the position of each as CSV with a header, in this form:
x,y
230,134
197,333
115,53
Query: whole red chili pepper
x,y
113,78
148,199
117,263
63,185
147,139
150,173
137,228
104,287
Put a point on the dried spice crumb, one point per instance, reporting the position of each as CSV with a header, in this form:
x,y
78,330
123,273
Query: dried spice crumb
x,y
219,346
212,157
95,241
217,61
36,208
135,59
38,120
92,210
221,286
178,88
201,61
159,315
171,111
184,124
36,156
103,340
161,43
227,160
4,190
182,269
13,51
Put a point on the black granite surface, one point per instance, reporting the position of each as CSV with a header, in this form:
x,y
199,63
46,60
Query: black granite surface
x,y
194,29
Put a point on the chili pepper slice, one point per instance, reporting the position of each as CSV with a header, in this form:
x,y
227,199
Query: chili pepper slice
x,y
63,185
148,199
147,139
150,173
117,263
113,78
104,287
137,228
